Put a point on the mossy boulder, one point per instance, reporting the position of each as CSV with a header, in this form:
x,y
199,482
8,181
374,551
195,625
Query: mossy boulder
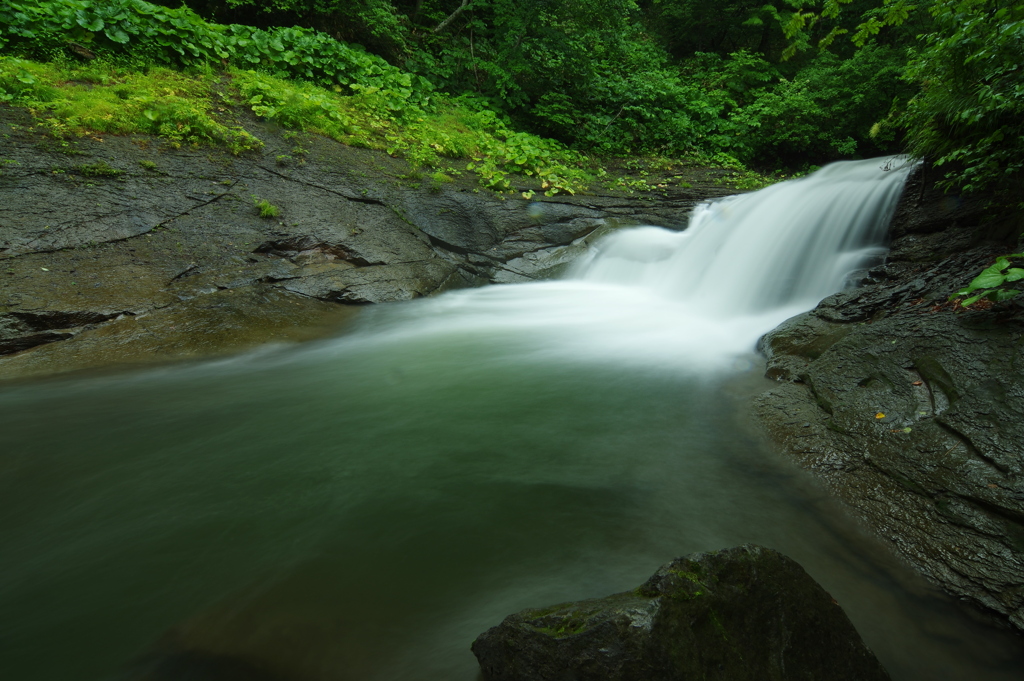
x,y
742,613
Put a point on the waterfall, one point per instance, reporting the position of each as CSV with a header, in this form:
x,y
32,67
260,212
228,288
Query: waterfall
x,y
695,299
790,244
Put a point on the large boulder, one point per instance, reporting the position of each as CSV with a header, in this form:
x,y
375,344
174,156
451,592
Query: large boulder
x,y
742,613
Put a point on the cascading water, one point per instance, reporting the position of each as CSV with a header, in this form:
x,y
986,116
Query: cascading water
x,y
786,246
364,507
695,298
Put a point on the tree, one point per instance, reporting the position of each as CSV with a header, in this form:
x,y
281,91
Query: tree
x,y
968,115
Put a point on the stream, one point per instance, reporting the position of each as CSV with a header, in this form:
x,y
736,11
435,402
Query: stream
x,y
363,507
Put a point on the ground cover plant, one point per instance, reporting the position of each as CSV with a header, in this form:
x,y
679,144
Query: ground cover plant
x,y
197,107
369,101
549,92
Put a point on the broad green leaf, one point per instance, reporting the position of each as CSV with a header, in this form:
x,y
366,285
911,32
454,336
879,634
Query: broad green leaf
x,y
117,35
987,279
88,22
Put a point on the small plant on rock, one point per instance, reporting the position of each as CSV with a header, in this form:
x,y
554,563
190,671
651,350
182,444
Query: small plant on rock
x,y
98,169
989,283
266,208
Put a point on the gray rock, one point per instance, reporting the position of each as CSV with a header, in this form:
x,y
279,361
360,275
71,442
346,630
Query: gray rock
x,y
743,613
910,409
158,227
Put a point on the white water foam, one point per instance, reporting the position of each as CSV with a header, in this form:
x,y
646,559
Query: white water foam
x,y
790,244
698,299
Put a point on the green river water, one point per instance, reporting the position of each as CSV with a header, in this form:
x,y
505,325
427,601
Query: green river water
x,y
363,509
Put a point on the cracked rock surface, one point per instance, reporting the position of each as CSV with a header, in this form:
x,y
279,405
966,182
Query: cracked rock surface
x,y
743,613
909,409
95,232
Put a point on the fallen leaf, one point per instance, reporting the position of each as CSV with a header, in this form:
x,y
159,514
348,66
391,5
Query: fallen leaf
x,y
879,415
44,269
993,486
907,430
917,383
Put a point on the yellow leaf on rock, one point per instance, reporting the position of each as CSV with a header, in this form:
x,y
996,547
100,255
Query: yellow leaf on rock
x,y
879,415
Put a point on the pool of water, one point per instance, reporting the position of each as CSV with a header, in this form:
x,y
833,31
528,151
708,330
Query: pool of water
x,y
363,508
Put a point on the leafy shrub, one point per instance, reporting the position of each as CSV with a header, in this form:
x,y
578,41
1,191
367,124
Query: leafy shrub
x,y
134,29
969,112
376,24
453,129
969,115
585,73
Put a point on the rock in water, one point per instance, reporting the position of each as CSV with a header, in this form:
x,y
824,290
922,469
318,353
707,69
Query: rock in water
x,y
742,613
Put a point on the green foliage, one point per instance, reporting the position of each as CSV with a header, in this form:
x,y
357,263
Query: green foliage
x,y
587,73
453,129
683,78
377,24
989,283
73,100
827,110
266,208
690,26
969,115
98,169
583,72
134,30
369,103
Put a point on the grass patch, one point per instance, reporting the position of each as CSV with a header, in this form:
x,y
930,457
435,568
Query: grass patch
x,y
98,169
454,129
266,208
72,100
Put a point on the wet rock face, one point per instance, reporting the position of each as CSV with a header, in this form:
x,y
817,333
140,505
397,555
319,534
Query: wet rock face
x,y
101,228
911,410
743,613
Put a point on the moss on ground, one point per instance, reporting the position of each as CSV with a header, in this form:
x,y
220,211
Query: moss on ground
x,y
205,106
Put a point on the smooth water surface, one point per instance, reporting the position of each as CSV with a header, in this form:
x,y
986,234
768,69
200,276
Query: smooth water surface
x,y
361,512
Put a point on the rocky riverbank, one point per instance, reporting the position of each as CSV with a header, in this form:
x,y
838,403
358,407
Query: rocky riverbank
x,y
119,250
909,408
